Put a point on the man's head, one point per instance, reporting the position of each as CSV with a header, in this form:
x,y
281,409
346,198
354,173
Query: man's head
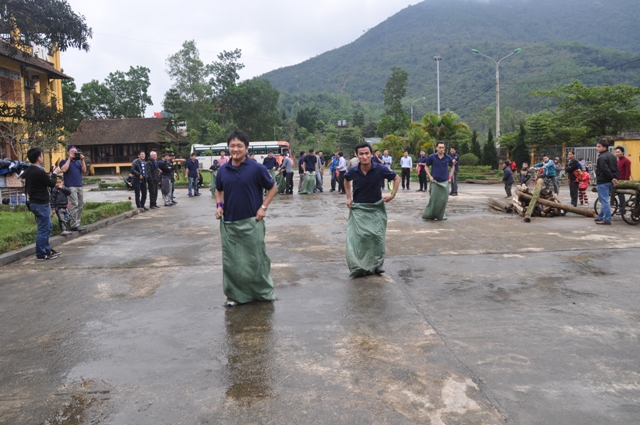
x,y
385,153
377,152
619,152
363,152
240,136
301,154
340,154
453,150
270,154
406,154
35,156
312,151
320,154
72,151
193,156
153,155
571,155
440,147
556,159
525,165
252,156
141,155
545,158
222,153
238,143
423,153
602,146
59,183
165,156
507,163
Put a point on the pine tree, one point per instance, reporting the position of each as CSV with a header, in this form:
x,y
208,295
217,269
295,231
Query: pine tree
x,y
475,146
490,153
520,151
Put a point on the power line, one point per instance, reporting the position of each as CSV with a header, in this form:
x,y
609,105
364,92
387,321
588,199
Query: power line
x,y
483,92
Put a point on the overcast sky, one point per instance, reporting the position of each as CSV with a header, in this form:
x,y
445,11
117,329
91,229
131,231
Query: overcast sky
x,y
271,34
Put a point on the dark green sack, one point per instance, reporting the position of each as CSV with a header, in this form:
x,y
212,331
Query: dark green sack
x,y
281,182
366,231
438,198
309,183
214,174
245,264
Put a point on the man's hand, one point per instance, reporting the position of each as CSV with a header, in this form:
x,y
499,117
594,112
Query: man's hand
x,y
52,213
57,170
388,198
349,203
614,181
219,213
81,157
141,177
431,179
260,214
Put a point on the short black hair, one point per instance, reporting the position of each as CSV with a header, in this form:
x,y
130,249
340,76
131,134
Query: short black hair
x,y
570,151
301,153
165,154
440,142
270,152
620,148
33,154
603,143
340,154
454,148
311,150
240,135
362,145
507,162
193,154
142,152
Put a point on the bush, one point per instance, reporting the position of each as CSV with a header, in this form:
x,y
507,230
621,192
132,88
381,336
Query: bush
x,y
469,159
91,180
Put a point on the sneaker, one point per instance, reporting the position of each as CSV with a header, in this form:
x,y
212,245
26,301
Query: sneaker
x,y
145,208
197,194
47,257
168,205
173,202
378,271
53,253
603,222
66,233
78,229
190,196
230,303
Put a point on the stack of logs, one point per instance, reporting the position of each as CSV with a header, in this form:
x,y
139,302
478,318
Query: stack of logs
x,y
537,203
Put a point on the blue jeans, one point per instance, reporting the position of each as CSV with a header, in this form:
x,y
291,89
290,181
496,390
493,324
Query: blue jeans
x,y
604,193
319,181
193,182
43,219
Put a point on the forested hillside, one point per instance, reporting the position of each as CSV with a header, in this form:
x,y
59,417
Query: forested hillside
x,y
561,40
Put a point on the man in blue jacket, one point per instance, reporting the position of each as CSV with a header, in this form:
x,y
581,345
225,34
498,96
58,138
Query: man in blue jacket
x,y
191,173
549,171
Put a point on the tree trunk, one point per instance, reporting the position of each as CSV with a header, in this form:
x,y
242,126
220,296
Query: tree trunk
x,y
570,208
628,184
500,206
534,200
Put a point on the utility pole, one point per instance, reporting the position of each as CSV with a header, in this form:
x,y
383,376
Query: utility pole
x,y
438,59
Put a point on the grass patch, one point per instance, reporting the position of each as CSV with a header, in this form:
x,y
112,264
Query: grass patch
x,y
112,185
465,176
91,180
19,226
475,169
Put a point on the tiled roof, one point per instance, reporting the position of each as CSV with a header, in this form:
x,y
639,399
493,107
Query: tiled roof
x,y
120,132
8,51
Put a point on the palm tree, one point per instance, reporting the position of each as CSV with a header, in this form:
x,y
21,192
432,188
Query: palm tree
x,y
441,127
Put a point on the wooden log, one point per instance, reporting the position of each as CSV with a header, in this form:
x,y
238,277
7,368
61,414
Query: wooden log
x,y
534,200
582,211
500,206
627,184
519,209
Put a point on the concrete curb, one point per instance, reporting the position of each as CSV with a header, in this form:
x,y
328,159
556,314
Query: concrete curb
x,y
29,250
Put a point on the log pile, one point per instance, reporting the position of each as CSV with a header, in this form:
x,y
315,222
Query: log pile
x,y
537,203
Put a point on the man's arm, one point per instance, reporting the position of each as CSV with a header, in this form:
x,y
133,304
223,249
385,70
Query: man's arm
x,y
219,203
84,164
65,166
267,200
347,190
394,190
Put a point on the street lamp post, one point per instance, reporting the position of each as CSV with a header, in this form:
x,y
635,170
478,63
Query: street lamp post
x,y
422,98
498,134
438,59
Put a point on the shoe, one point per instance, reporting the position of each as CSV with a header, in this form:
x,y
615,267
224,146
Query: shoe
x,y
230,303
506,197
618,213
66,233
603,222
78,229
378,271
190,196
47,257
53,253
332,190
145,208
168,205
173,202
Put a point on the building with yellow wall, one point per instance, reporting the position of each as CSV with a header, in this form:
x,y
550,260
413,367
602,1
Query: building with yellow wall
x,y
28,76
631,141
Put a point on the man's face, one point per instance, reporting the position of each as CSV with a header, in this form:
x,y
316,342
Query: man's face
x,y
619,153
422,153
377,153
440,149
270,154
237,150
364,156
545,158
72,152
600,148
452,151
154,156
222,153
406,154
386,153
193,158
570,155
142,155
320,154
59,184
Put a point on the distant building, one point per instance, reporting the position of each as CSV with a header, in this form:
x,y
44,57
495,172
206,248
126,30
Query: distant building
x,y
112,145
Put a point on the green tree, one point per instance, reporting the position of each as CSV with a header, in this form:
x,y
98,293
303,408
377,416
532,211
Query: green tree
x,y
443,127
224,76
97,101
358,118
129,92
349,138
538,130
307,118
601,110
394,91
490,153
520,152
46,22
475,145
73,107
255,108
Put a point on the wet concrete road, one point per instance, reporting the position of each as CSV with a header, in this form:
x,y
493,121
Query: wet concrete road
x,y
480,319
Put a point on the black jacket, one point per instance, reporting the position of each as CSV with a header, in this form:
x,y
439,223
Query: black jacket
x,y
166,168
136,169
570,168
152,171
37,183
59,197
606,168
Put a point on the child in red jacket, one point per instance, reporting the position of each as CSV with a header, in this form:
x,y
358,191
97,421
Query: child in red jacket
x,y
583,179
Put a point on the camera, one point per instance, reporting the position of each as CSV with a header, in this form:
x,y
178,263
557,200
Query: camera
x,y
77,156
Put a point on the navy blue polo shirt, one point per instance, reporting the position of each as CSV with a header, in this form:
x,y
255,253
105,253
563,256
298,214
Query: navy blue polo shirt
x,y
439,167
366,188
242,187
310,162
423,160
456,157
192,166
73,176
376,160
270,163
300,161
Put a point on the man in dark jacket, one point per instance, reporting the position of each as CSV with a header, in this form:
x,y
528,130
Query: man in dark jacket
x,y
606,177
167,169
38,184
570,169
507,178
139,180
153,178
60,204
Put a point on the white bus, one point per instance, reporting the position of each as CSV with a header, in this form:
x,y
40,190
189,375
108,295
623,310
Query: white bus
x,y
207,153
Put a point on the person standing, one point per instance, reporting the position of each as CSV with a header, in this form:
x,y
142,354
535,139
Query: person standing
x,y
320,171
73,167
421,168
191,173
342,170
60,205
38,183
153,179
407,164
507,178
332,169
300,171
309,167
440,175
386,159
139,180
367,223
606,177
287,168
166,167
549,171
223,158
241,210
271,164
570,170
172,158
624,173
453,153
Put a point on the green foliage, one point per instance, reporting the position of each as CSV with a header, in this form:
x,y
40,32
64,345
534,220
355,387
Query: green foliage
x,y
50,23
521,152
445,127
307,118
394,91
490,153
72,106
254,105
468,159
348,139
475,145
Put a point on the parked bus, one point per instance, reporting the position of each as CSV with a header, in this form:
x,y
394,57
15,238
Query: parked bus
x,y
207,153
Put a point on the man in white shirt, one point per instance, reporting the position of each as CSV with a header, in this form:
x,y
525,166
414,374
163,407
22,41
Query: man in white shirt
x,y
386,159
407,164
342,169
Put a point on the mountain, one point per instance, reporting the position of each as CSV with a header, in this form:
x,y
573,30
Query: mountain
x,y
561,40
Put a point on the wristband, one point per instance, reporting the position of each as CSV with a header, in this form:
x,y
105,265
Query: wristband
x,y
393,193
220,205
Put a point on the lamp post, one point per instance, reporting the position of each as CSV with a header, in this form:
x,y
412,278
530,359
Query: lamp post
x,y
498,134
438,59
422,98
